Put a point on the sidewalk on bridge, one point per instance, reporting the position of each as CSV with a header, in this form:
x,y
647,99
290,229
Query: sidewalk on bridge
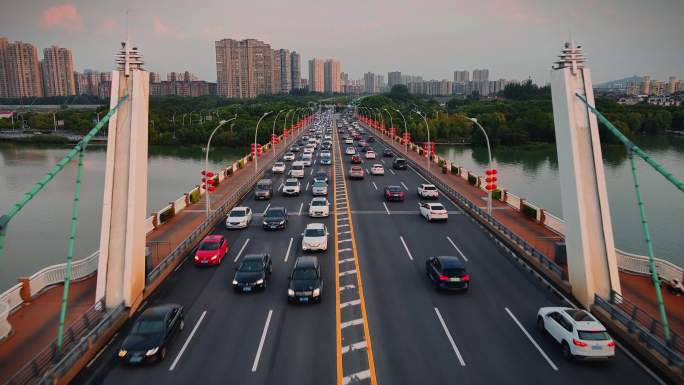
x,y
636,289
35,324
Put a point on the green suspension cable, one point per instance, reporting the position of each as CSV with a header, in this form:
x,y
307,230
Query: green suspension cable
x,y
649,245
70,249
5,219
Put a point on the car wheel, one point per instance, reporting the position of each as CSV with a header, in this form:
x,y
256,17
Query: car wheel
x,y
540,325
565,349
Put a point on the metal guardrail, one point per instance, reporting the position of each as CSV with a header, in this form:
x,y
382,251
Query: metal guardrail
x,y
34,371
635,320
639,264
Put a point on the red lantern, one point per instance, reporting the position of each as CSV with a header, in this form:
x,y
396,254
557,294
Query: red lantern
x,y
491,171
212,189
491,179
252,149
259,150
490,186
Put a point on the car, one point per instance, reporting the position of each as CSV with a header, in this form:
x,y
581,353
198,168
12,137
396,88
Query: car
x,y
289,157
325,153
367,148
355,159
349,141
387,153
278,168
297,170
295,149
292,187
433,211
370,139
370,154
447,273
252,272
399,164
275,218
356,172
307,159
326,160
151,334
319,208
377,169
263,189
308,150
363,144
394,193
321,176
306,282
428,191
315,237
350,151
211,250
580,335
319,188
239,218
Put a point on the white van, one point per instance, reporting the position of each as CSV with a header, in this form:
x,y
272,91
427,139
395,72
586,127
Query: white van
x,y
297,170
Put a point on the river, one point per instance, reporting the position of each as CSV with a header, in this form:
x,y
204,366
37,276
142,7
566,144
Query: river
x,y
533,174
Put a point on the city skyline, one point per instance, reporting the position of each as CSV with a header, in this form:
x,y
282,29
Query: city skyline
x,y
397,34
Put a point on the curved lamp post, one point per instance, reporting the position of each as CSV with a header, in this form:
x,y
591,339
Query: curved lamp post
x,y
256,131
489,151
429,146
206,162
285,124
273,130
405,129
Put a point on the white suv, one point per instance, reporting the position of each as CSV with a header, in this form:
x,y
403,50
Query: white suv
x,y
315,237
319,208
297,170
578,332
427,190
292,187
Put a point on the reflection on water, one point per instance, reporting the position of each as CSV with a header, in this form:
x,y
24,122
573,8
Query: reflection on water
x,y
533,175
37,236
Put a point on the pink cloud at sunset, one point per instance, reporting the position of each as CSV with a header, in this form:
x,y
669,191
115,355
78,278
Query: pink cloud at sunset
x,y
64,16
166,30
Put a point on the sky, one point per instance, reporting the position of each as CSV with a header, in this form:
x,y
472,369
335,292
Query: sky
x,y
514,39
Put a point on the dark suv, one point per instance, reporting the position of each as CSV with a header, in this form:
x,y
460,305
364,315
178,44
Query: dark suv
x,y
306,283
275,218
399,164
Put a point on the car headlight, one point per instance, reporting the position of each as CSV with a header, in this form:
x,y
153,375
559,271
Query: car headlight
x,y
214,257
281,222
196,257
260,281
317,292
290,293
235,282
152,352
122,353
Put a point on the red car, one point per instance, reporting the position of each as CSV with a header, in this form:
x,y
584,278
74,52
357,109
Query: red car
x,y
355,159
394,193
211,250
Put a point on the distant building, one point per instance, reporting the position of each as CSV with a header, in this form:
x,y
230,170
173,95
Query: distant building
x,y
246,68
316,75
461,77
672,85
304,84
4,84
23,70
58,72
393,79
155,77
331,76
370,83
88,82
296,66
184,84
646,85
481,75
283,63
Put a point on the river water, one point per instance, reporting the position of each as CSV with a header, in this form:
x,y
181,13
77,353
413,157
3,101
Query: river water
x,y
37,236
533,175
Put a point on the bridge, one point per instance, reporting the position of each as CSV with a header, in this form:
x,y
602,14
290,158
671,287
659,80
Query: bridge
x,y
379,320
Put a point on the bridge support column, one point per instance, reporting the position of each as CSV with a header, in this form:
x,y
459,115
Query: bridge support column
x,y
121,266
592,265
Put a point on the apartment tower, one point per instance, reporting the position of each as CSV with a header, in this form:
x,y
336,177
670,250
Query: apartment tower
x,y
296,67
316,75
58,72
23,70
332,76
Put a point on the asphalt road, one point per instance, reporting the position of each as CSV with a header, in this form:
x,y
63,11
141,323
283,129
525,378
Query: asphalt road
x,y
418,336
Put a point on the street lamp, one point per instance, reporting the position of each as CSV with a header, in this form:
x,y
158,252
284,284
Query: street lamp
x,y
429,146
405,131
489,151
256,130
206,163
285,124
273,130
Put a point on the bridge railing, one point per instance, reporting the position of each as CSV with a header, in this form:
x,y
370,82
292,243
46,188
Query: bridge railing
x,y
639,264
54,274
648,329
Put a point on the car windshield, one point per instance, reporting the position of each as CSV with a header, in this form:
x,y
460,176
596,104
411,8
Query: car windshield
x,y
400,161
320,183
291,183
593,335
314,233
274,214
237,213
297,167
453,272
263,186
145,327
394,189
279,164
429,188
250,266
305,274
318,203
209,246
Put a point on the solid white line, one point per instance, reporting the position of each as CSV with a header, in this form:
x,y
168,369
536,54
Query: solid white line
x,y
343,225
457,249
301,206
343,250
374,185
344,240
406,248
241,250
402,183
383,161
367,170
187,341
261,343
386,209
451,340
392,171
287,254
180,265
553,366
266,209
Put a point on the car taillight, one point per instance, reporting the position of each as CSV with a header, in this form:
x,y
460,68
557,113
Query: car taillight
x,y
443,277
578,343
611,344
465,278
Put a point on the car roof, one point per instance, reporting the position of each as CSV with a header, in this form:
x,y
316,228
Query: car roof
x,y
158,312
258,257
319,199
265,180
213,238
435,204
277,208
377,165
306,261
393,186
240,208
291,180
315,226
450,262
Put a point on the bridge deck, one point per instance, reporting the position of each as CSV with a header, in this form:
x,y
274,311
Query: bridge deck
x,y
35,324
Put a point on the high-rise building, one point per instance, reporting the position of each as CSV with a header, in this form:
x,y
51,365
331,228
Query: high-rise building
x,y
481,75
331,76
4,84
370,83
380,81
316,75
646,85
245,69
23,70
461,77
283,63
58,72
672,85
296,65
88,82
394,78
155,77
344,78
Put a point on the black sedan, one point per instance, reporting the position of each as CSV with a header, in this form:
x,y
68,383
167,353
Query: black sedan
x,y
387,153
448,273
253,272
306,283
151,334
394,193
275,218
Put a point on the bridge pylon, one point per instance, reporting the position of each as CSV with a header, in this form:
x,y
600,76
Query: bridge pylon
x,y
121,266
591,261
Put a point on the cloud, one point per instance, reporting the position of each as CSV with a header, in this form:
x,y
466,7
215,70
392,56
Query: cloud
x,y
165,30
213,32
109,26
64,16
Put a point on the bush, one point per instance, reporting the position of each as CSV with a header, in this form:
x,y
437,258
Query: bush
x,y
472,179
496,194
442,163
194,196
166,215
229,170
241,163
529,212
454,169
216,181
